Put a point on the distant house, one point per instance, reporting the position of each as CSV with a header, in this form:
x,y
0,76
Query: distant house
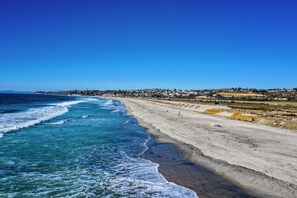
x,y
241,95
281,99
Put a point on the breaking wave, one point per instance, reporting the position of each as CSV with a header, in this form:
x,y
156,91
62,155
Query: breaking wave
x,y
16,121
58,122
108,103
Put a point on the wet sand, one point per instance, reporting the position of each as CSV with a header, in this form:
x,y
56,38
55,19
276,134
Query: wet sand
x,y
175,168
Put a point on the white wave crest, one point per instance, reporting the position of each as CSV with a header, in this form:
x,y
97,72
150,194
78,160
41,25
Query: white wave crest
x,y
58,122
108,103
29,118
19,120
67,104
92,99
126,122
85,116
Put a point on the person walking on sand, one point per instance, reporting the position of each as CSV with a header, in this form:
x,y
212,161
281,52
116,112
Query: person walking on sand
x,y
178,113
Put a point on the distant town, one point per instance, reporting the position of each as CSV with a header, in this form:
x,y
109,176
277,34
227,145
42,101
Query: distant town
x,y
199,95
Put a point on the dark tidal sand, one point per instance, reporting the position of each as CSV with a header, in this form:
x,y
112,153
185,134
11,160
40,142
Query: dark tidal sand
x,y
175,168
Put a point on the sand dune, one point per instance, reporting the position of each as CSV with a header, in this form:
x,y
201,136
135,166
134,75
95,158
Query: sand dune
x,y
261,159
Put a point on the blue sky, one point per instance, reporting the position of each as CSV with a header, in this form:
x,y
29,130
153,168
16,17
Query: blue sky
x,y
130,44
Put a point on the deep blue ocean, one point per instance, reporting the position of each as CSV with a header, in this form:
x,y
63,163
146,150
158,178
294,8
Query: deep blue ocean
x,y
55,146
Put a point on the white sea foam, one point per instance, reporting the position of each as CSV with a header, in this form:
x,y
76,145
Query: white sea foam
x,y
58,122
108,103
142,177
85,116
30,117
92,99
33,116
126,122
67,104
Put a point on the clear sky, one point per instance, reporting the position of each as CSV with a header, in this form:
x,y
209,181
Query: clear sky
x,y
128,44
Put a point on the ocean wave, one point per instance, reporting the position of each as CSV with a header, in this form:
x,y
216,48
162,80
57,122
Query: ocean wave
x,y
70,103
141,177
84,116
30,117
1,135
16,121
58,122
10,111
92,99
126,122
108,103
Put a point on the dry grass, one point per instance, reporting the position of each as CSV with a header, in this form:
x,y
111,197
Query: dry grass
x,y
213,111
237,116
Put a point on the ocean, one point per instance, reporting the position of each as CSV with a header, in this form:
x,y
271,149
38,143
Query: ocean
x,y
58,146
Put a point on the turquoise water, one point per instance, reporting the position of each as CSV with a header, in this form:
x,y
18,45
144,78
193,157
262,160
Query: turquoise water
x,y
86,147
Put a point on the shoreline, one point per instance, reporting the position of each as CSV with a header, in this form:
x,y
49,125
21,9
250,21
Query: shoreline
x,y
177,169
252,182
181,170
176,166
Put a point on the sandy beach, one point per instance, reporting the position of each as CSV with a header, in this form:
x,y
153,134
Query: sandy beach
x,y
262,160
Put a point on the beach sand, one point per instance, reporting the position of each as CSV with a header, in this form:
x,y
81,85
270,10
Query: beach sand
x,y
261,160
